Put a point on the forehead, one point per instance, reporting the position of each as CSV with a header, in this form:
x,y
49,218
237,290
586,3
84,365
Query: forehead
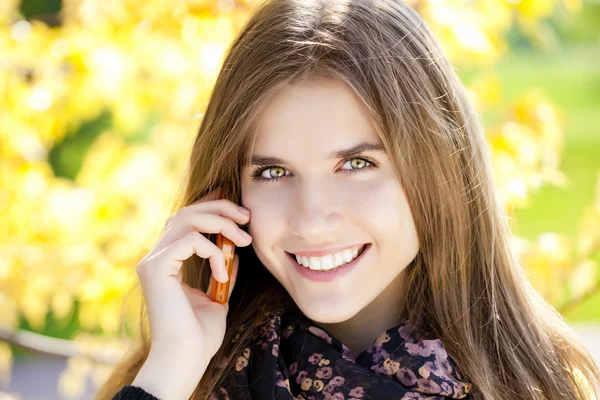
x,y
312,119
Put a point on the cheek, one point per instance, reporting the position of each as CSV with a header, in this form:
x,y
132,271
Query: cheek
x,y
266,215
383,207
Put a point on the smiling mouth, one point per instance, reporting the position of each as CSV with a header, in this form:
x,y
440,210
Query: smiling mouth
x,y
360,252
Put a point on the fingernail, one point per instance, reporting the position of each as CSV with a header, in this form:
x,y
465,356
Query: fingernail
x,y
244,210
224,275
246,235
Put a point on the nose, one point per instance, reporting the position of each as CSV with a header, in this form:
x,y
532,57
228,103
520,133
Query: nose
x,y
315,214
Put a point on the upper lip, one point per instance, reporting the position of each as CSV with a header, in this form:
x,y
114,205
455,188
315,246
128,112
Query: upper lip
x,y
324,251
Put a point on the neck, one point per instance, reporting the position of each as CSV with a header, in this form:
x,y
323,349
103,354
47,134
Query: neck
x,y
360,331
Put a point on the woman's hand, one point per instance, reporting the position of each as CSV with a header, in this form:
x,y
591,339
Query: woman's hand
x,y
186,326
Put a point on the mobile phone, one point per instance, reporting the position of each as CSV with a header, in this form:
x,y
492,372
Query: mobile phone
x,y
220,290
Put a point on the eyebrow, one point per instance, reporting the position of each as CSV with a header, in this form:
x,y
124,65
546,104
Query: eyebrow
x,y
345,153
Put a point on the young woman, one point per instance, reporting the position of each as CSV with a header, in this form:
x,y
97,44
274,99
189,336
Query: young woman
x,y
347,136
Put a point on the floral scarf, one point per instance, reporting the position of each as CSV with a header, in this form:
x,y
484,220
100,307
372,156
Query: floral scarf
x,y
292,358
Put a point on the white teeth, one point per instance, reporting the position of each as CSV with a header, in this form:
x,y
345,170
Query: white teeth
x,y
338,259
330,261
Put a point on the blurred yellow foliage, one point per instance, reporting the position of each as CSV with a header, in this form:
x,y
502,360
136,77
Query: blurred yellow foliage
x,y
74,242
527,148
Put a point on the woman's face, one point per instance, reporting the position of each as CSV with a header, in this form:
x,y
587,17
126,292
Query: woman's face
x,y
307,201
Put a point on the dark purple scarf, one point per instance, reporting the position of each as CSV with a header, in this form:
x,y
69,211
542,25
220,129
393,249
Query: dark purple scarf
x,y
306,362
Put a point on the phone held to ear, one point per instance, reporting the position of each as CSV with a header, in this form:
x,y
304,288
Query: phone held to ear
x,y
220,290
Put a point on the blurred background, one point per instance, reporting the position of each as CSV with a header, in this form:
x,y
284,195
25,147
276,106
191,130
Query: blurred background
x,y
99,102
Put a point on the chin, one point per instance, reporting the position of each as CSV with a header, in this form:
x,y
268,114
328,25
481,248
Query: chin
x,y
328,314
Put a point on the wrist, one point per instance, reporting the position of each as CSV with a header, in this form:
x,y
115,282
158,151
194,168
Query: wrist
x,y
169,381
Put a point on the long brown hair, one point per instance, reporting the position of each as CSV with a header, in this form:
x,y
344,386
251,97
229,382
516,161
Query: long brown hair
x,y
507,340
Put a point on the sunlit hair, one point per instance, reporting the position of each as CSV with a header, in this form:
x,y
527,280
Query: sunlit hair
x,y
505,339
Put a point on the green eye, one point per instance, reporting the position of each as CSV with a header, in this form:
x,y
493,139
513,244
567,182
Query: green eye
x,y
366,162
354,164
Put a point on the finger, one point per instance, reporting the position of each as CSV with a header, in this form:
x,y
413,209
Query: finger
x,y
232,278
222,207
211,223
211,196
204,223
171,257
